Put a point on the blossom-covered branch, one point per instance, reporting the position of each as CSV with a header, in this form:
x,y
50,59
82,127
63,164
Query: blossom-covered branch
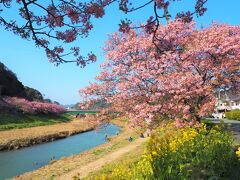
x,y
53,23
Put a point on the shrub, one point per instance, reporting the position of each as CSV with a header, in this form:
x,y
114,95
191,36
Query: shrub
x,y
186,153
234,114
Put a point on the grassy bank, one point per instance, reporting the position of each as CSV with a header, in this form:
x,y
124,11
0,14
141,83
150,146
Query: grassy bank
x,y
18,138
19,120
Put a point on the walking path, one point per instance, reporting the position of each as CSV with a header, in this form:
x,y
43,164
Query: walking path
x,y
96,165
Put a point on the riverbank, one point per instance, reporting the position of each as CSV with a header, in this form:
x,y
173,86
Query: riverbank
x,y
19,138
17,120
93,159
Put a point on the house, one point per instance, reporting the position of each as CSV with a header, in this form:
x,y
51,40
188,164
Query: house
x,y
227,101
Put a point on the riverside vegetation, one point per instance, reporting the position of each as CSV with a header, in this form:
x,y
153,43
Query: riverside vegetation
x,y
187,153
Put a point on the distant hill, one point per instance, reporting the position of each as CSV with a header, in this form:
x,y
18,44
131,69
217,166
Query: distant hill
x,y
9,83
32,94
11,86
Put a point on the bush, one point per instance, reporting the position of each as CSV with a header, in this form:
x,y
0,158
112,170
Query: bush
x,y
234,114
187,153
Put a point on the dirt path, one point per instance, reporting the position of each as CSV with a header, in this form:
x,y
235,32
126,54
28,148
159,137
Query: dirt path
x,y
96,165
17,138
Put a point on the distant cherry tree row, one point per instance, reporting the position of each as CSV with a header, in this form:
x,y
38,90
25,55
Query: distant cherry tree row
x,y
34,107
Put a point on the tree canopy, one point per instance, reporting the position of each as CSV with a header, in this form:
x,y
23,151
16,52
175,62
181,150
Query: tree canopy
x,y
178,80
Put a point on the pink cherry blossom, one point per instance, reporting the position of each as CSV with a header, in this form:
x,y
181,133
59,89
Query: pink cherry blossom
x,y
34,107
177,79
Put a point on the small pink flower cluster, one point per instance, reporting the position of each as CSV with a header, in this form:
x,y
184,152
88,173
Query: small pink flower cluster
x,y
34,107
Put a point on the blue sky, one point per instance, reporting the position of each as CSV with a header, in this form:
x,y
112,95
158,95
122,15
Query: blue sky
x,y
63,82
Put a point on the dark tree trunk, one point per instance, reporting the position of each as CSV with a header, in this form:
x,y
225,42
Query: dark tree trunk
x,y
198,119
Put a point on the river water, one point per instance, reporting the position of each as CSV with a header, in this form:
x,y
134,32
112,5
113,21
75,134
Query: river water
x,y
17,162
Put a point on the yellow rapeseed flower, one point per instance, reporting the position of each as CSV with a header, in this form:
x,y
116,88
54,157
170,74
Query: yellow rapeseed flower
x,y
238,152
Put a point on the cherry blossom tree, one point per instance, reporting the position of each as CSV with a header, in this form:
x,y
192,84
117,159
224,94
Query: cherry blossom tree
x,y
178,80
52,23
34,107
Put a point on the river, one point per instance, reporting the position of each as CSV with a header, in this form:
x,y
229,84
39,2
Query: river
x,y
16,162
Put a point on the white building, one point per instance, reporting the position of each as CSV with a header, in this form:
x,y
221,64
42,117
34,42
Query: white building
x,y
227,101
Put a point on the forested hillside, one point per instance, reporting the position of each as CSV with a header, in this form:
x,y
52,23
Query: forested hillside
x,y
11,86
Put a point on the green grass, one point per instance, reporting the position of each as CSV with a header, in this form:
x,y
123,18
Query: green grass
x,y
233,115
81,112
19,120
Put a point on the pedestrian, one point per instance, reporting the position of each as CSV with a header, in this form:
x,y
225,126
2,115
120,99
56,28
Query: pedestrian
x,y
130,139
77,115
